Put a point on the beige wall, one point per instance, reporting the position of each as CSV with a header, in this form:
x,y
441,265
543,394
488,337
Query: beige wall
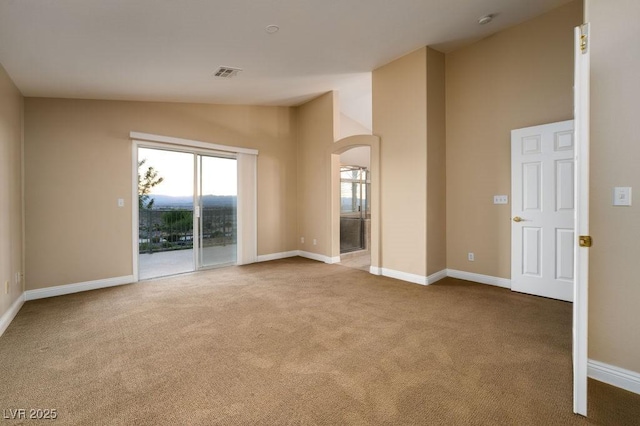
x,y
11,110
436,164
78,163
399,119
614,281
316,124
350,127
520,77
409,117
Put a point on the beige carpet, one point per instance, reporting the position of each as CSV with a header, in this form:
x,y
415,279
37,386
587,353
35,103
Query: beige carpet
x,y
298,342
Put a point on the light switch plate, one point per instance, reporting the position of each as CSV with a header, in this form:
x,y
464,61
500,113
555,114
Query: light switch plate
x,y
500,199
120,202
622,196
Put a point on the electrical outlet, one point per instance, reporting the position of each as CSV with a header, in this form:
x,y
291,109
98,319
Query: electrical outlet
x,y
315,241
120,202
471,257
302,240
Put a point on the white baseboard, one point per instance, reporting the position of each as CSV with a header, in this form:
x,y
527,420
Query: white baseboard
x,y
422,280
11,313
318,257
479,278
412,278
276,256
60,290
436,276
293,253
614,376
399,275
404,276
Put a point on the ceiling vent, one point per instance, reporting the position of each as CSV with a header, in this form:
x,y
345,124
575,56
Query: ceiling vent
x,y
226,72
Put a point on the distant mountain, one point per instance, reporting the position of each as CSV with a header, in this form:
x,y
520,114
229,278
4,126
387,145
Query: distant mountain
x,y
169,201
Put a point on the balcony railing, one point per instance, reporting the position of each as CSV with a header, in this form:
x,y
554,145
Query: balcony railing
x,y
165,230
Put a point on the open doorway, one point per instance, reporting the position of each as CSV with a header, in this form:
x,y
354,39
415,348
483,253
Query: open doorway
x,y
355,208
187,211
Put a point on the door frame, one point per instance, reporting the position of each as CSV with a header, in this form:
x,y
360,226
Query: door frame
x,y
581,262
333,195
169,143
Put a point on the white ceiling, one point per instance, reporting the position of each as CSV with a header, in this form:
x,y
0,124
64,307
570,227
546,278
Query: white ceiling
x,y
167,50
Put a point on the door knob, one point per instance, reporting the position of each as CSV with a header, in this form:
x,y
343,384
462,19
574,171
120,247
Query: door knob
x,y
518,219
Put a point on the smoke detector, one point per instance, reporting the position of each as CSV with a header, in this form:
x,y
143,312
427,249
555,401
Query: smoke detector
x,y
486,19
226,72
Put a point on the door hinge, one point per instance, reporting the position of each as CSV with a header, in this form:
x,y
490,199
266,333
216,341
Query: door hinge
x,y
585,241
584,38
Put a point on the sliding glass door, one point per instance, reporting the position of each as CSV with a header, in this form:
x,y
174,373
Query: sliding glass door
x,y
217,192
187,211
165,212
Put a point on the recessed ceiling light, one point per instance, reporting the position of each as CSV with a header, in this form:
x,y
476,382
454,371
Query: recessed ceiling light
x,y
272,29
486,19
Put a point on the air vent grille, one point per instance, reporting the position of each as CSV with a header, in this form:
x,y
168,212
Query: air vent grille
x,y
226,72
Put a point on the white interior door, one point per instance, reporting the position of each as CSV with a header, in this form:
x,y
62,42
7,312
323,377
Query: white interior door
x,y
543,210
581,300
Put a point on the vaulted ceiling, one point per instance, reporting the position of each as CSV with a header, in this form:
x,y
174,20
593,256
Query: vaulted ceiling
x,y
168,50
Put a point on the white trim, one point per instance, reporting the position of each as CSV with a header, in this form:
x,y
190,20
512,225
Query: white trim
x,y
11,313
437,276
254,219
197,211
404,276
581,105
276,256
615,376
316,256
479,278
301,253
60,290
185,149
191,143
135,220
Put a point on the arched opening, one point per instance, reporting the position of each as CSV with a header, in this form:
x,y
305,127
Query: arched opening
x,y
360,205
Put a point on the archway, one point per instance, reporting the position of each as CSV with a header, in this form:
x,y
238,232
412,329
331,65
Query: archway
x,y
339,147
